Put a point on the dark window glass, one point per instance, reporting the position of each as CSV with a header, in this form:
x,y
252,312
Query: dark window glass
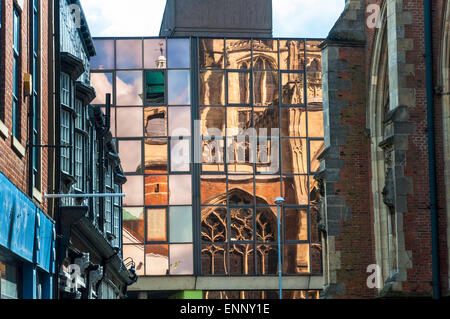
x,y
154,87
16,73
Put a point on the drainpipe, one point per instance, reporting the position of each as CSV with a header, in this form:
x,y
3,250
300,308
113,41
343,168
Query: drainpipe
x,y
60,250
431,148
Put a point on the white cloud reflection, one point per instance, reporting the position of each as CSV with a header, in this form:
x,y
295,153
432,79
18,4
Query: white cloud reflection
x,y
291,18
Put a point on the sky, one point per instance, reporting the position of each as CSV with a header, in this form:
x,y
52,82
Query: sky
x,y
291,18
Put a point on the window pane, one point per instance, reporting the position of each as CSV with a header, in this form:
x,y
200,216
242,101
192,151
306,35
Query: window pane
x,y
296,223
296,259
212,88
179,121
155,123
155,54
295,189
239,87
133,225
268,155
211,53
241,224
213,155
315,122
241,155
180,190
129,122
293,90
156,190
129,88
130,156
9,281
292,55
266,224
155,87
314,88
129,54
294,156
314,56
102,83
316,259
214,224
105,55
265,54
156,225
181,259
180,224
213,189
267,259
267,188
242,259
236,49
180,155
155,155
212,121
315,220
266,121
239,119
178,51
134,190
240,190
315,149
156,260
293,122
214,260
179,87
265,88
136,252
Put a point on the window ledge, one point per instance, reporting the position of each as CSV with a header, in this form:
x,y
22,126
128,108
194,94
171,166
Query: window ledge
x,y
3,130
37,195
19,148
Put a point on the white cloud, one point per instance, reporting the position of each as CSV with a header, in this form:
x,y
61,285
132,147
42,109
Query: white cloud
x,y
305,18
124,18
291,18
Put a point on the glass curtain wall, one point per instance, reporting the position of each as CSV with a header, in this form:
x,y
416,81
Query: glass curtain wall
x,y
256,110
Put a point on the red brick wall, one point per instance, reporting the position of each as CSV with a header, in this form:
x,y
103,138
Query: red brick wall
x,y
13,165
356,240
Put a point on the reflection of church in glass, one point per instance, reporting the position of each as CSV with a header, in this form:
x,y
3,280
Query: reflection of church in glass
x,y
240,85
259,103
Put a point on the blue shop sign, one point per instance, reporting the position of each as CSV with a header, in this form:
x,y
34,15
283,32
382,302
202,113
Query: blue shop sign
x,y
24,229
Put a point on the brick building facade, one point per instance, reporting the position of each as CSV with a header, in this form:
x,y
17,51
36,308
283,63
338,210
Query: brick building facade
x,y
382,180
26,227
